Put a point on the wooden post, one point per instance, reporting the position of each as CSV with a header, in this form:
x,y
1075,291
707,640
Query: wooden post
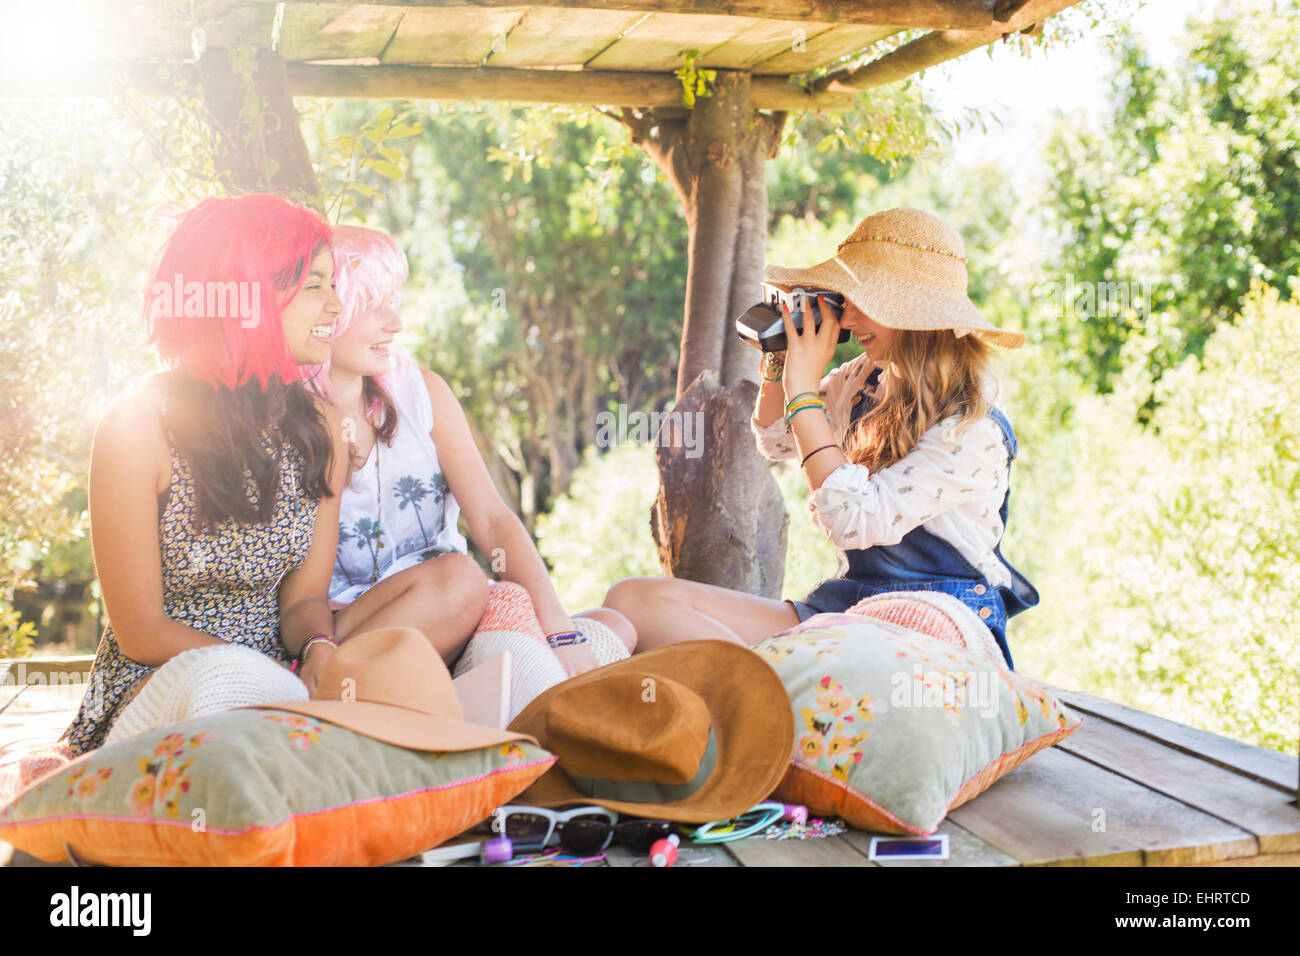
x,y
719,517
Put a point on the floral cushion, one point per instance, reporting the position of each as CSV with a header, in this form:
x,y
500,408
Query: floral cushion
x,y
894,728
263,787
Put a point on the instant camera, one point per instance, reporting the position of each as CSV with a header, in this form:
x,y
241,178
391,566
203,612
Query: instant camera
x,y
761,325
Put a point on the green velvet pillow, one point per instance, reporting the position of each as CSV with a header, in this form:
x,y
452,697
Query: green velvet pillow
x,y
263,787
894,728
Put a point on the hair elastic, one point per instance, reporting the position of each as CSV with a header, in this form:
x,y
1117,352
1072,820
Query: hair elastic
x,y
815,451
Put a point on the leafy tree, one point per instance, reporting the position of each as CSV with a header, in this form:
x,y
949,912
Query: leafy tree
x,y
544,284
1174,569
74,234
1187,195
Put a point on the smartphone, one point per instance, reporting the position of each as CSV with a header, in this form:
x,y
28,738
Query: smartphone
x,y
909,848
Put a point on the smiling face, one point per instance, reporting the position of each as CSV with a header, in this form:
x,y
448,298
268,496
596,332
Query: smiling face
x,y
308,319
363,349
874,338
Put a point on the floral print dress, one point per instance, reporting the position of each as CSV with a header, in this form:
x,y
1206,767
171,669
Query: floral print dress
x,y
225,584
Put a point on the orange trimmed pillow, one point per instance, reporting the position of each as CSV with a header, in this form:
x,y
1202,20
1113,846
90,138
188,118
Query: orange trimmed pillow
x,y
263,788
894,728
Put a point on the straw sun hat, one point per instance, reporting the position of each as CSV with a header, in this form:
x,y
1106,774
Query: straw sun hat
x,y
390,685
904,269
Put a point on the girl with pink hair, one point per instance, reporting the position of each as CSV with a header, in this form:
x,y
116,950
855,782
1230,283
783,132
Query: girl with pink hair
x,y
414,466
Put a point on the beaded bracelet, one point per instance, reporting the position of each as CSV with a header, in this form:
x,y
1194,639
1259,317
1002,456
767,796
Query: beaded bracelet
x,y
795,400
772,368
306,646
565,639
798,405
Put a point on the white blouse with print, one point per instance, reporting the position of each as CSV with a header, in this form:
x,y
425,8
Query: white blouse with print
x,y
953,485
415,508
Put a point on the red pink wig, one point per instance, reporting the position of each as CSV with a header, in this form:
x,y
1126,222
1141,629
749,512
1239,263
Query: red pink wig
x,y
213,305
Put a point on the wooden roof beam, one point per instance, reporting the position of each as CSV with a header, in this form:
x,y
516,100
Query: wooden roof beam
x,y
910,14
935,48
596,87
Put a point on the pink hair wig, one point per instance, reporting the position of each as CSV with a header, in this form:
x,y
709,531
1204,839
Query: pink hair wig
x,y
249,250
370,270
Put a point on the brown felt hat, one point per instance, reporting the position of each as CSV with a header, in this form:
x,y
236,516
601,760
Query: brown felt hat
x,y
691,732
390,684
905,269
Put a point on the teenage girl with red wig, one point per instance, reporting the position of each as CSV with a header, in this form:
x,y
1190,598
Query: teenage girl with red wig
x,y
213,504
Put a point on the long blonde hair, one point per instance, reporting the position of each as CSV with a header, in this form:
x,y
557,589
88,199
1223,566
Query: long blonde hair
x,y
927,377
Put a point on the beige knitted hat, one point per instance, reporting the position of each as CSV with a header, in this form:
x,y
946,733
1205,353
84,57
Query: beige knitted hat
x,y
905,269
203,681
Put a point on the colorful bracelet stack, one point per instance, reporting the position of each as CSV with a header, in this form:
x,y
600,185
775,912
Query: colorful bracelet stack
x,y
306,646
565,639
772,368
802,402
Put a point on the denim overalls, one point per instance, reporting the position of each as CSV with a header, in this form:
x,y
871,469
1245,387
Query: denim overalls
x,y
924,561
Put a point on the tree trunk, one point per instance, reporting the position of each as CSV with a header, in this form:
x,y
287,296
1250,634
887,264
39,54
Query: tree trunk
x,y
719,517
257,144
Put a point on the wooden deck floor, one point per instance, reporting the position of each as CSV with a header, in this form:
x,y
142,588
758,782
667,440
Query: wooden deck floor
x,y
1127,789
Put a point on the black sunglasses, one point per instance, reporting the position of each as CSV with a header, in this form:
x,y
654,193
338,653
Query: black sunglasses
x,y
585,831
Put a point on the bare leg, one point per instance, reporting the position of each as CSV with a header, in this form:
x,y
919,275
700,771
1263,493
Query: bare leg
x,y
443,598
668,610
616,622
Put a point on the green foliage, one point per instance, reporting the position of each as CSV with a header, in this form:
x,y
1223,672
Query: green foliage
x,y
16,635
542,287
72,247
1174,569
599,532
1187,195
346,158
695,82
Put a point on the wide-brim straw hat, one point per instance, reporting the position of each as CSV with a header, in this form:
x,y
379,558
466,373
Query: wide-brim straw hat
x,y
904,269
390,684
692,732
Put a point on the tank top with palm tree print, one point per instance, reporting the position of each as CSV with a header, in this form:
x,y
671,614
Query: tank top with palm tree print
x,y
397,509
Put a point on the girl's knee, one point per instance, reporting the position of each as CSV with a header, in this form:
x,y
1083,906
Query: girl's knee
x,y
456,576
617,623
631,593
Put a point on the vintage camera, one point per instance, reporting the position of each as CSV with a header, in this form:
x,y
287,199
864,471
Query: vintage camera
x,y
761,325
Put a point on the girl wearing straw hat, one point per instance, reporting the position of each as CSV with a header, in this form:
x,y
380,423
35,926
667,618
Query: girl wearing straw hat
x,y
905,453
401,559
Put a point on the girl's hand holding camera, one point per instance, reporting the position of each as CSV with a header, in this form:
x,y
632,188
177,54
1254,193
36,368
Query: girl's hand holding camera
x,y
808,352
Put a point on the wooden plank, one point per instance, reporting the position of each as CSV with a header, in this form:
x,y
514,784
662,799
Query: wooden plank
x,y
1268,813
39,716
1259,763
547,37
654,42
1058,809
463,37
1267,859
335,31
937,47
826,851
964,849
761,41
916,14
161,29
687,855
19,669
589,87
823,48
